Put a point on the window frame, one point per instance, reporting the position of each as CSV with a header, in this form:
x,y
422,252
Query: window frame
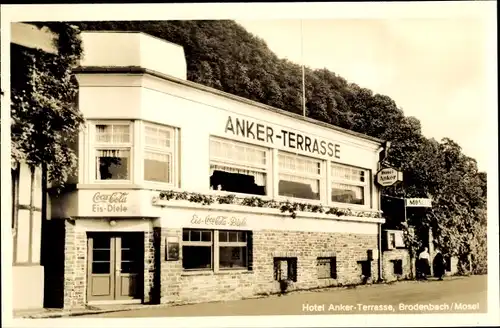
x,y
95,146
267,168
215,250
332,260
172,151
366,185
321,176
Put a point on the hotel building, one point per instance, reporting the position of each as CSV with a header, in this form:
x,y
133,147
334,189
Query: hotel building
x,y
185,193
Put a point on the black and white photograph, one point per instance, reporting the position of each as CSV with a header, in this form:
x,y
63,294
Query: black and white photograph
x,y
250,164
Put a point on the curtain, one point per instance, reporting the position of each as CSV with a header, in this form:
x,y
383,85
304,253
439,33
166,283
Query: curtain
x,y
314,183
260,177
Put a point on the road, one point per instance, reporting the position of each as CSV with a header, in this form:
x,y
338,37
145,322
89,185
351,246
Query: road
x,y
454,294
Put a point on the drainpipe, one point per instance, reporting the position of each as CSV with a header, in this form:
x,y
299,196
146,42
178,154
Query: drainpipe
x,y
382,156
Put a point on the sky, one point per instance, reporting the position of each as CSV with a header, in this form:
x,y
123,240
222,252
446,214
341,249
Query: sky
x,y
435,69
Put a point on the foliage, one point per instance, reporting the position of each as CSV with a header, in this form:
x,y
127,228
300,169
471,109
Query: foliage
x,y
45,118
223,55
284,206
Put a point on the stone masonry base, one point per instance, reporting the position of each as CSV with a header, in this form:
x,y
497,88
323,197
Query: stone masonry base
x,y
166,282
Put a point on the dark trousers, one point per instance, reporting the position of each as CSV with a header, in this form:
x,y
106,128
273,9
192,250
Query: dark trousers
x,y
422,268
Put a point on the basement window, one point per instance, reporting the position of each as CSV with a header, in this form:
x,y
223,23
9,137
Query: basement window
x,y
285,268
326,267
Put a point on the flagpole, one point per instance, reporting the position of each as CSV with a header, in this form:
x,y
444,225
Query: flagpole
x,y
303,71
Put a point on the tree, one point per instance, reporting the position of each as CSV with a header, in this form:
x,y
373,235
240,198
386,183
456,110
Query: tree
x,y
45,118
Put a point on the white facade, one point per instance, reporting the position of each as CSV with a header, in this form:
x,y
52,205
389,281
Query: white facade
x,y
192,115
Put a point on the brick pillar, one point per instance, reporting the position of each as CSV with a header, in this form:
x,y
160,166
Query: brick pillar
x,y
149,267
75,264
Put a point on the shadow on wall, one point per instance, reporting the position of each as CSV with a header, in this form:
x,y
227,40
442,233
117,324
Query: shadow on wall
x,y
52,259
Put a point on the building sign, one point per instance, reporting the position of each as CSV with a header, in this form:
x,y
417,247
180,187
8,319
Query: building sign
x,y
111,202
286,138
418,202
219,220
388,177
172,248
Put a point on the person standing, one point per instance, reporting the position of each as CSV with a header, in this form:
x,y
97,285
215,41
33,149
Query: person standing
x,y
439,265
423,258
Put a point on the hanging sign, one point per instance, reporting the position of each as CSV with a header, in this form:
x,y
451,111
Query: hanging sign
x,y
418,202
389,176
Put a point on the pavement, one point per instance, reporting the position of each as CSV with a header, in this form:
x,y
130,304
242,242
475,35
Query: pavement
x,y
452,295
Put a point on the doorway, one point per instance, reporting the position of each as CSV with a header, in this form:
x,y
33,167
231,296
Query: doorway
x,y
115,266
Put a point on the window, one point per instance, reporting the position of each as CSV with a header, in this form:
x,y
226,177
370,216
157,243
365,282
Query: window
x,y
113,148
232,250
197,249
395,239
201,247
397,267
238,167
349,185
158,153
299,177
285,268
327,267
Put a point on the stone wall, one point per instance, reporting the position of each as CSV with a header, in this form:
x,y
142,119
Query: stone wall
x,y
180,287
75,266
388,264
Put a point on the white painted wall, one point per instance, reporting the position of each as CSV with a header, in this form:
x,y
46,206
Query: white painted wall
x,y
133,49
200,114
201,218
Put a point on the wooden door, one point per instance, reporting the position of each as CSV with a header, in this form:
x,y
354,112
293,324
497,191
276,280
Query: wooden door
x,y
115,266
129,266
101,261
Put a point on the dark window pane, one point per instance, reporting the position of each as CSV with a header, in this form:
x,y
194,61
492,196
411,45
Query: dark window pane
x,y
236,180
299,190
129,267
233,236
100,255
223,236
101,242
185,235
197,257
232,257
112,165
101,267
242,236
195,235
206,236
130,254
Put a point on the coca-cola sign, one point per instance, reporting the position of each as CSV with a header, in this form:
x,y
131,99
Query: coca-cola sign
x,y
111,202
219,220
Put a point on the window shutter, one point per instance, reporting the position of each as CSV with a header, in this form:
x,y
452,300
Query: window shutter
x,y
333,268
388,240
399,239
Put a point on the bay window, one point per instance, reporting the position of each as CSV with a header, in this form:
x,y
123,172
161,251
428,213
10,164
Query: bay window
x,y
113,148
158,153
238,167
299,176
349,185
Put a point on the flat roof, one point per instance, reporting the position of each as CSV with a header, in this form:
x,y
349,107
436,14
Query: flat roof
x,y
141,70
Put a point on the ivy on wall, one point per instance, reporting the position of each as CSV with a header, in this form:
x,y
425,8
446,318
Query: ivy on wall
x,y
284,206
